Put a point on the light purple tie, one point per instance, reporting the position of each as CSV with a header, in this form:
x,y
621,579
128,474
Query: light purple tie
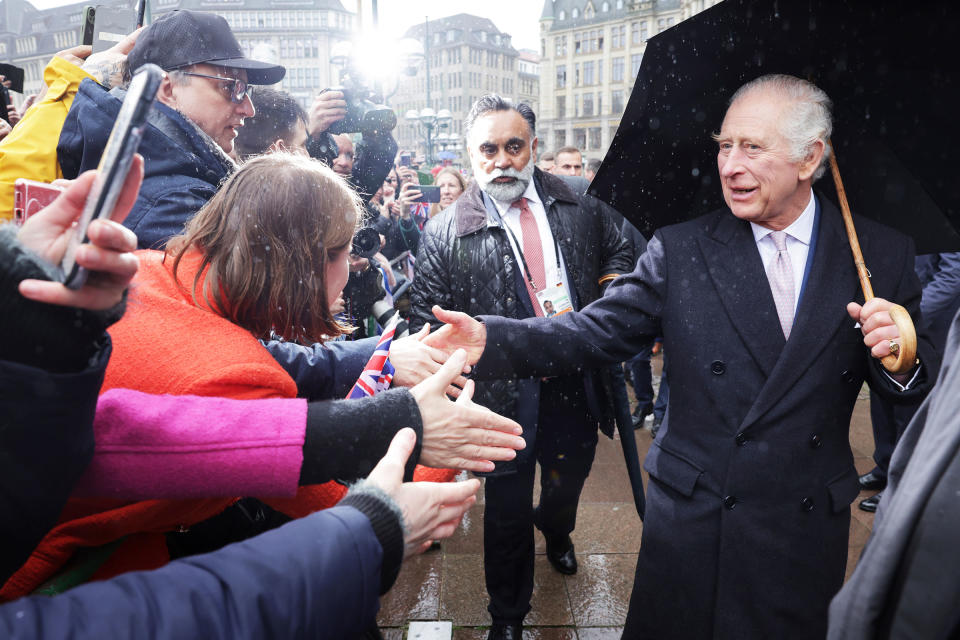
x,y
780,275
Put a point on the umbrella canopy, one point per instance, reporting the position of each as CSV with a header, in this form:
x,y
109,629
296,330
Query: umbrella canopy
x,y
888,67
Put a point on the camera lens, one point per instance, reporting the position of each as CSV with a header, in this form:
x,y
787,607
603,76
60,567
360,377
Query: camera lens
x,y
366,242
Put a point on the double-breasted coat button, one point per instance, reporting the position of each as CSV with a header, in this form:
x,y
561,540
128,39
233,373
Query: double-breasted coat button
x,y
717,367
730,502
741,439
815,441
807,504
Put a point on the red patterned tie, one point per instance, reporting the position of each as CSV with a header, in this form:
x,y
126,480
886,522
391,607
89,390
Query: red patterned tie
x,y
532,252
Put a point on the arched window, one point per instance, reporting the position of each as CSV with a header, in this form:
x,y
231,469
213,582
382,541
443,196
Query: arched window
x,y
563,15
575,13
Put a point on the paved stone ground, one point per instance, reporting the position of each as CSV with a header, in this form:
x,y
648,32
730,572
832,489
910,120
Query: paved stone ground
x,y
447,584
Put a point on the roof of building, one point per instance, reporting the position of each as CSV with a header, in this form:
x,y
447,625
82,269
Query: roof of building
x,y
560,13
469,29
19,17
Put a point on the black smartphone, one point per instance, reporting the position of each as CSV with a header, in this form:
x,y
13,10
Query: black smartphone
x,y
14,75
114,164
86,27
429,193
112,24
404,159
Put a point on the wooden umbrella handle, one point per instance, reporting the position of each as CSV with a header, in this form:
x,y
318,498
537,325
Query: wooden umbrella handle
x,y
906,356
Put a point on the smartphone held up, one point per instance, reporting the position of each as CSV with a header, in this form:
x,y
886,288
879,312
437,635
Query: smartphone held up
x,y
114,165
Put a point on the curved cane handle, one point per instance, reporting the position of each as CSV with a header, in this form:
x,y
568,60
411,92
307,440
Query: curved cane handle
x,y
906,357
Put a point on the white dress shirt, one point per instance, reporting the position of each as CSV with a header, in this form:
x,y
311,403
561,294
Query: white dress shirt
x,y
799,235
511,217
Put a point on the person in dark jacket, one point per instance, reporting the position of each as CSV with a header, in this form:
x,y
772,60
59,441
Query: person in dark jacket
x,y
53,355
200,107
52,362
748,504
512,225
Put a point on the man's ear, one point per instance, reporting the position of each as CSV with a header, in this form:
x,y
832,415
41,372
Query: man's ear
x,y
810,163
278,145
165,93
533,148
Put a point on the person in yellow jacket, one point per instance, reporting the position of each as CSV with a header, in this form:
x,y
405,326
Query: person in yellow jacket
x,y
30,150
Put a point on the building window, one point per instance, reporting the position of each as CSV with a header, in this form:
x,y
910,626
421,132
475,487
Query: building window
x,y
594,138
580,138
616,72
588,78
616,102
561,107
575,13
605,7
618,36
588,104
577,43
559,139
635,63
576,74
563,15
451,35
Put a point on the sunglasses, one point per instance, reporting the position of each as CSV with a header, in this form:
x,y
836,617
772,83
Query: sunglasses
x,y
238,89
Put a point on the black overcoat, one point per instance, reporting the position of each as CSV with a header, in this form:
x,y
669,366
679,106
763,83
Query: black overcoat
x,y
748,513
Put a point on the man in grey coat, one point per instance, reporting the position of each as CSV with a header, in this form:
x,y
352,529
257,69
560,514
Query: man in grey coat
x,y
907,583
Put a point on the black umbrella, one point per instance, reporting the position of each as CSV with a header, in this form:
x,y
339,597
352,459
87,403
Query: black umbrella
x,y
890,69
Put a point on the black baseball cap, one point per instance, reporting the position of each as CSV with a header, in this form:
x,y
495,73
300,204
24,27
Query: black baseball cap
x,y
181,38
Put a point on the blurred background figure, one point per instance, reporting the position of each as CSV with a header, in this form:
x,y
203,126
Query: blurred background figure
x,y
569,162
452,184
546,162
280,124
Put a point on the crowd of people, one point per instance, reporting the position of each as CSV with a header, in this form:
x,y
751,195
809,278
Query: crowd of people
x,y
179,458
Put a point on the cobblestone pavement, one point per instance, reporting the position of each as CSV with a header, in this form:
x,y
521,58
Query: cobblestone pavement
x,y
447,584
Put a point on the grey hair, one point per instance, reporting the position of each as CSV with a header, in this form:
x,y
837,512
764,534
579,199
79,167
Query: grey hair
x,y
806,120
493,102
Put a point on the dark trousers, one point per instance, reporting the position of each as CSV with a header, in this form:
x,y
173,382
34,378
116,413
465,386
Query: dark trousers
x,y
642,378
889,422
566,442
663,395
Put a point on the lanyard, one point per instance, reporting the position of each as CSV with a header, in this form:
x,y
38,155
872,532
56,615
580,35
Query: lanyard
x,y
515,244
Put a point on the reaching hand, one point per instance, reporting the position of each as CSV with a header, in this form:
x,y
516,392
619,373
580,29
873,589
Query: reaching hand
x,y
460,332
108,257
328,107
431,510
414,362
461,434
107,66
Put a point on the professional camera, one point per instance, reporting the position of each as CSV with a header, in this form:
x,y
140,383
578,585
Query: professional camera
x,y
363,114
366,242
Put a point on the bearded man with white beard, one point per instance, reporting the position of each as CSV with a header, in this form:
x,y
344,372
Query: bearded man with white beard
x,y
516,239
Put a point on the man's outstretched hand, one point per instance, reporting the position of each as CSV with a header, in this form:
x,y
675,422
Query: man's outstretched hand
x,y
460,332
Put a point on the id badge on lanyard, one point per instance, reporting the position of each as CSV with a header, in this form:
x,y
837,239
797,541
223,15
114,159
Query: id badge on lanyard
x,y
554,300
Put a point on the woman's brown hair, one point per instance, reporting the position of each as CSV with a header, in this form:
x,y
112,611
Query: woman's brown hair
x,y
267,237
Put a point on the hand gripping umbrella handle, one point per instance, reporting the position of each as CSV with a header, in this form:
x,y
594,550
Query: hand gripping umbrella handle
x,y
905,356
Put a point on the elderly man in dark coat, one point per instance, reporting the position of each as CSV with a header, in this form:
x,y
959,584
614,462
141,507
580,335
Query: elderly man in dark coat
x,y
748,516
520,243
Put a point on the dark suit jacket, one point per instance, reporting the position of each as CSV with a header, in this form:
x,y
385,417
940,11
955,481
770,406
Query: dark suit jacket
x,y
923,482
748,508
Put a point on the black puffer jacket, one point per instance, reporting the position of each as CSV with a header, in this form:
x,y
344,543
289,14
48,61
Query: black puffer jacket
x,y
465,263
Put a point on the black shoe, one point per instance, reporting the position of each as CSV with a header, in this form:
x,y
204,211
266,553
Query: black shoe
x,y
655,427
640,415
505,632
870,504
873,481
561,556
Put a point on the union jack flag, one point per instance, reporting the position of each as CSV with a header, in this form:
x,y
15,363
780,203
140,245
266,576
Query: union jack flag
x,y
378,372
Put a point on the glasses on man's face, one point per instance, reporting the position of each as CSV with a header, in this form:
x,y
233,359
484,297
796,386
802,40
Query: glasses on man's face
x,y
238,89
